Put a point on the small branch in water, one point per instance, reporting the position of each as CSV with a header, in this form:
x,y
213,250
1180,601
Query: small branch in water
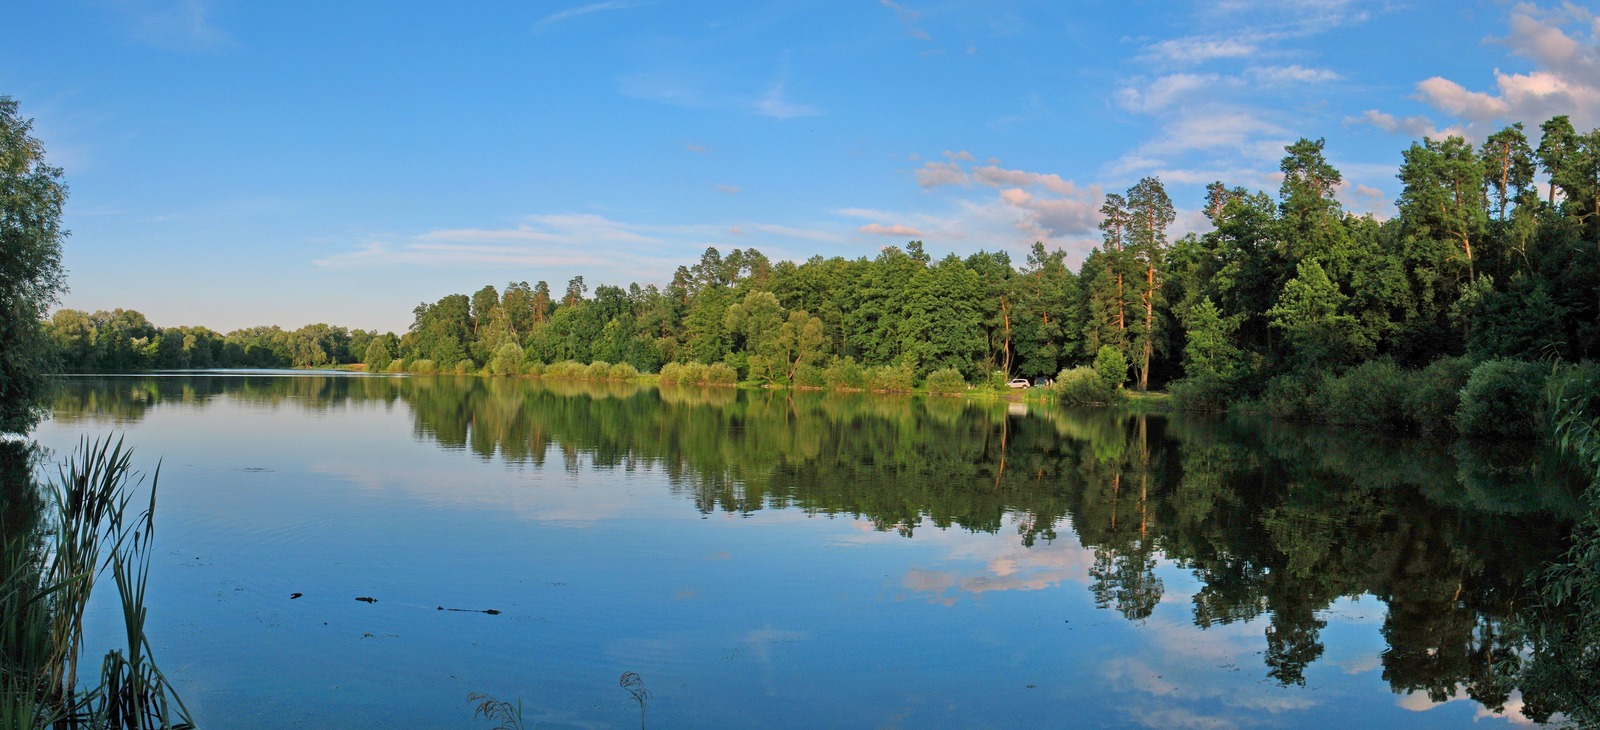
x,y
490,611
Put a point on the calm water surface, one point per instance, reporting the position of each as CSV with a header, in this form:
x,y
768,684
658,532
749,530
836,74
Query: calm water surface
x,y
806,560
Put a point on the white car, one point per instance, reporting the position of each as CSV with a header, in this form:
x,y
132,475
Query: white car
x,y
1018,383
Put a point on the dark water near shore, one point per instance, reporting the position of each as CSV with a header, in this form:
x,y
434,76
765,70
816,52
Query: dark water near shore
x,y
805,560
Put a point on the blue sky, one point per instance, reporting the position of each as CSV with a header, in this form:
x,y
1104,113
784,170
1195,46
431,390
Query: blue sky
x,y
239,163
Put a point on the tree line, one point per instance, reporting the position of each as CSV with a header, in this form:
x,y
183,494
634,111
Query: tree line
x,y
1481,262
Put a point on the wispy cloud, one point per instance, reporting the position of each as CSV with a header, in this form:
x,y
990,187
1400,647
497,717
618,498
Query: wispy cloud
x,y
589,9
894,230
1412,126
908,18
174,25
776,104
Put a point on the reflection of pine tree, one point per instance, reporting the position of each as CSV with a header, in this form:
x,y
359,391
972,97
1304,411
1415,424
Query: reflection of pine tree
x,y
1126,581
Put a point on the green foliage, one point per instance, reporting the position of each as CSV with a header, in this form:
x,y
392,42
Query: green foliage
x,y
721,374
422,367
1200,393
622,371
844,373
1370,394
31,277
1283,285
891,378
598,370
50,569
378,356
693,373
533,368
946,382
464,366
1285,396
1209,351
566,370
808,375
1502,399
1111,365
1559,671
395,366
1311,315
507,360
1085,386
1434,394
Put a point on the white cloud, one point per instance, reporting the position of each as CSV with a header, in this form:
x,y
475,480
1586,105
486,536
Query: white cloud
x,y
1414,126
1196,49
1034,206
577,242
1166,90
582,10
1565,80
1292,74
1240,130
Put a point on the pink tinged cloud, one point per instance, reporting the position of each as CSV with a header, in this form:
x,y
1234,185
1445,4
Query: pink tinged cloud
x,y
1567,80
997,177
879,229
935,174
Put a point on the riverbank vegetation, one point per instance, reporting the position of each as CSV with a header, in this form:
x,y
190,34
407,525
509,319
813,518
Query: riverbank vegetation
x,y
55,547
1289,306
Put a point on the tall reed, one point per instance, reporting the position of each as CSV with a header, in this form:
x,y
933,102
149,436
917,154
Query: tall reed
x,y
51,566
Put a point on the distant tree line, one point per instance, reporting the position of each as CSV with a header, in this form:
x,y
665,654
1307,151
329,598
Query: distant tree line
x,y
1286,295
123,340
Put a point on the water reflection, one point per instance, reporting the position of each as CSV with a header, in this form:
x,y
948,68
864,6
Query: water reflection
x,y
1271,521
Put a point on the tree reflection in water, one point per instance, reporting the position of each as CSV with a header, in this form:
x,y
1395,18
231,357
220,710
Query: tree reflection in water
x,y
1271,519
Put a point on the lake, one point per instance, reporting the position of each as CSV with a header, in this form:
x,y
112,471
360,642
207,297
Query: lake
x,y
799,559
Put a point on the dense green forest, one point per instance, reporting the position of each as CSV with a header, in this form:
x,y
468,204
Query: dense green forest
x,y
1285,295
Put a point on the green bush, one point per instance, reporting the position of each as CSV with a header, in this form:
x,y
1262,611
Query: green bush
x,y
1204,392
997,381
845,373
1286,396
535,368
1111,366
1502,398
809,376
694,373
946,381
891,378
597,370
567,370
721,374
507,361
377,357
1434,394
1372,393
464,366
1083,385
423,367
622,371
